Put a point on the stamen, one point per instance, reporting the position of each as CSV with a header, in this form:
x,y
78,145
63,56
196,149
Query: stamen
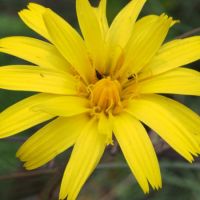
x,y
106,94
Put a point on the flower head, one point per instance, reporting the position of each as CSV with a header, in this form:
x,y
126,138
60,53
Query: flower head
x,y
101,85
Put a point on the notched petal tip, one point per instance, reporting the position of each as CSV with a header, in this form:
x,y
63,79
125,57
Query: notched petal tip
x,y
33,7
173,21
20,13
176,21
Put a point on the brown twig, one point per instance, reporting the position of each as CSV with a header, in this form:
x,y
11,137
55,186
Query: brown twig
x,y
51,186
25,174
189,33
15,139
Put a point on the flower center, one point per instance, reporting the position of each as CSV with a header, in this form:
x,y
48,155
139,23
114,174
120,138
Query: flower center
x,y
105,95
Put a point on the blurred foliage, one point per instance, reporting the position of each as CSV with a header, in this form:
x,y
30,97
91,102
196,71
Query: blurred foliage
x,y
110,183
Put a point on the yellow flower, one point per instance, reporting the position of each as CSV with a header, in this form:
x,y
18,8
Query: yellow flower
x,y
103,85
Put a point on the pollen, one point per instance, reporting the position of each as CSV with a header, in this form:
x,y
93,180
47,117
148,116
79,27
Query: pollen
x,y
105,95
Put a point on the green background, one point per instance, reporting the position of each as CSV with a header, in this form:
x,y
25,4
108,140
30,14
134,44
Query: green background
x,y
112,179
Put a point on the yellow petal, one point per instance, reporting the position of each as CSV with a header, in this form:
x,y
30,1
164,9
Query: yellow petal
x,y
91,29
139,25
70,44
105,127
31,78
175,123
32,17
174,54
101,16
145,41
64,106
177,81
116,54
86,154
138,151
123,24
35,51
51,140
21,116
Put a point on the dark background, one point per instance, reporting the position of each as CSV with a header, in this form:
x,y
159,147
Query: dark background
x,y
112,179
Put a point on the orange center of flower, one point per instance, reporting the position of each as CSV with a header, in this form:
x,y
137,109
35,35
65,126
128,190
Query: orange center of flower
x,y
105,95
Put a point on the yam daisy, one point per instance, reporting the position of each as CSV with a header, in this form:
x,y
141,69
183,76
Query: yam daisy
x,y
103,83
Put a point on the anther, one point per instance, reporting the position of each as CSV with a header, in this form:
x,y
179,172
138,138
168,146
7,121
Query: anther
x,y
106,94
